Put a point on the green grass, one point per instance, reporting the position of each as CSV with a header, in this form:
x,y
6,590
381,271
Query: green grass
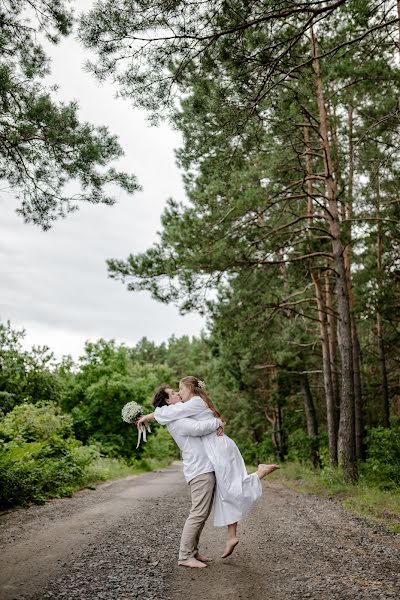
x,y
376,504
108,469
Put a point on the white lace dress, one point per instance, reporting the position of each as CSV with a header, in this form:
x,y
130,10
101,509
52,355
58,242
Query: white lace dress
x,y
236,491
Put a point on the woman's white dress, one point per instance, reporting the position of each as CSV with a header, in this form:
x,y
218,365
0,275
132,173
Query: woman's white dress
x,y
236,491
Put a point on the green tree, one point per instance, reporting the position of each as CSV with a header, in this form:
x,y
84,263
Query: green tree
x,y
49,158
106,378
25,376
262,93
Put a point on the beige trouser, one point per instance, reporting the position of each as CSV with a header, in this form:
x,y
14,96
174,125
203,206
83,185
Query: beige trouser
x,y
202,493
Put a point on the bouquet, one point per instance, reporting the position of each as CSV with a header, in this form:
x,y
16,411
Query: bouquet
x,y
131,412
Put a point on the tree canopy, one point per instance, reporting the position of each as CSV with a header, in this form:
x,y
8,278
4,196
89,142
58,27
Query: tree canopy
x,y
290,120
49,158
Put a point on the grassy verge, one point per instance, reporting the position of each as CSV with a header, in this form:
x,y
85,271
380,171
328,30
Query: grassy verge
x,y
108,469
25,483
377,505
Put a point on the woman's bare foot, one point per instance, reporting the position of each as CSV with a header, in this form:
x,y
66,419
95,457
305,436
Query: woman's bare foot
x,y
230,545
203,558
193,563
264,470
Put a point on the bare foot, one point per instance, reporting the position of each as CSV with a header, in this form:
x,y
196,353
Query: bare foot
x,y
264,470
230,546
193,563
202,558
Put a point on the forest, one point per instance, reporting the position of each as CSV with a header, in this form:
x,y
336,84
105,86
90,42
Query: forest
x,y
288,240
61,427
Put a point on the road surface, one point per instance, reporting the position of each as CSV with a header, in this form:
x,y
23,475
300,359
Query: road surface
x,y
120,542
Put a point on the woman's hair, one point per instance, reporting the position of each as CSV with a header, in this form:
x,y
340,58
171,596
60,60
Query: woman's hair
x,y
161,396
197,388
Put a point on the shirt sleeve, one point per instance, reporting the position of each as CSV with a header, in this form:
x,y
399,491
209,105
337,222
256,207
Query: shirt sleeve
x,y
181,410
192,427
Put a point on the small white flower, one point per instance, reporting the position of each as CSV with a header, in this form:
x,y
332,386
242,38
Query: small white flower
x,y
131,412
201,384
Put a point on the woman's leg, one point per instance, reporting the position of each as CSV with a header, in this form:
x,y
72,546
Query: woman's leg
x,y
231,541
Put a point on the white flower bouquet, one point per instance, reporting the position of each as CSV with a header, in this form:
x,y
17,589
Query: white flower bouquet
x,y
131,412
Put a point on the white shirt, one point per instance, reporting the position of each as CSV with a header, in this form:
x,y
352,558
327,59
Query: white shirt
x,y
187,433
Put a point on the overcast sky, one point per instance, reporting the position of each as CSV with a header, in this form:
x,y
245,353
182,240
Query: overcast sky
x,y
54,283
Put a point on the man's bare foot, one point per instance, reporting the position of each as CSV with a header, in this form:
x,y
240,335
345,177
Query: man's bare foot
x,y
203,558
264,470
193,563
230,546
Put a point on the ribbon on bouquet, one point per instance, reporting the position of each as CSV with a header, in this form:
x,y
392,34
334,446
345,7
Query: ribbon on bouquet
x,y
142,434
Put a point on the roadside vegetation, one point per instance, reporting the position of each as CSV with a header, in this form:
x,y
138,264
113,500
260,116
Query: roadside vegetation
x,y
61,427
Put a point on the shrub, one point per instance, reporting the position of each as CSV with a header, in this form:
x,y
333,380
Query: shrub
x,y
34,471
39,457
298,446
382,466
110,444
7,401
33,422
263,452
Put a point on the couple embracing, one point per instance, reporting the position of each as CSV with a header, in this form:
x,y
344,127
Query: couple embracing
x,y
212,466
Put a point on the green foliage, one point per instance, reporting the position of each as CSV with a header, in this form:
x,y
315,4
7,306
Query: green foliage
x,y
25,376
299,446
50,448
265,451
276,208
39,457
44,146
382,466
33,471
35,422
107,379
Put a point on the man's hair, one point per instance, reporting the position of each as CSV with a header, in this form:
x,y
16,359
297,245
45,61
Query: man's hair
x,y
161,396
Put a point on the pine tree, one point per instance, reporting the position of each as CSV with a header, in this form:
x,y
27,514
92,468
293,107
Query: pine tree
x,y
43,145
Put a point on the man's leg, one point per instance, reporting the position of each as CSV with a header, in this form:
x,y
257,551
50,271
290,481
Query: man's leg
x,y
202,490
204,522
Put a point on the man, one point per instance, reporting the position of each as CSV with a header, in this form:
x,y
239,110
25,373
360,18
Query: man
x,y
197,469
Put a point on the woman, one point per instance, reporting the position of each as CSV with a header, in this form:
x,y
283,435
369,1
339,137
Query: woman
x,y
236,490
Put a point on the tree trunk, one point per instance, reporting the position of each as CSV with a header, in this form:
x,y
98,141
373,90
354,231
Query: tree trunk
x,y
332,337
379,322
327,374
398,14
382,366
358,400
310,204
279,437
346,428
311,420
323,327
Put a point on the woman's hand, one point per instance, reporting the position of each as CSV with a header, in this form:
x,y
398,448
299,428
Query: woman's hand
x,y
144,420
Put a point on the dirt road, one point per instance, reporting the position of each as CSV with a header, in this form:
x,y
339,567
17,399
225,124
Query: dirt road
x,y
120,542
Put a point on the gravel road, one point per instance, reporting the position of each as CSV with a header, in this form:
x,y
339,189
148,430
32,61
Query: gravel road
x,y
120,542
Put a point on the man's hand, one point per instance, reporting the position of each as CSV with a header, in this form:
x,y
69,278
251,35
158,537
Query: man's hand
x,y
220,430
